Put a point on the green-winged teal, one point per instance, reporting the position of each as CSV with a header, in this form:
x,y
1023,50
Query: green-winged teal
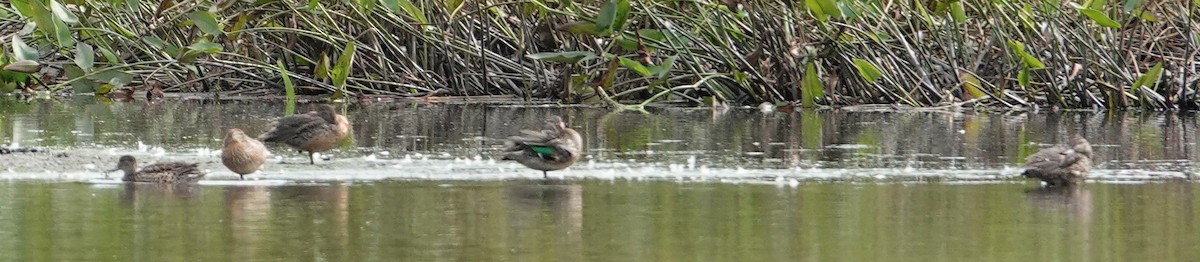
x,y
165,172
553,148
1061,165
315,131
242,154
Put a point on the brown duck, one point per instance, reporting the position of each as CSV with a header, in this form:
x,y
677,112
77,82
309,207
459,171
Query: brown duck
x,y
554,148
242,154
165,172
1061,165
315,131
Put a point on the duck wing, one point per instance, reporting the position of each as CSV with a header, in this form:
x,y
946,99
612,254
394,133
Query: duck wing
x,y
291,127
1048,158
169,172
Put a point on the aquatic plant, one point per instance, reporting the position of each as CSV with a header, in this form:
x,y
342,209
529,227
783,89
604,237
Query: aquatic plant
x,y
1113,54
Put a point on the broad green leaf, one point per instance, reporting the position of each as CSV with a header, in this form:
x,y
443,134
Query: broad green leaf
x,y
971,84
454,6
1130,5
111,57
1100,18
62,13
341,70
82,85
570,57
635,66
42,17
1095,4
22,7
206,21
415,13
1150,78
22,51
812,86
868,71
612,16
661,70
24,66
321,72
581,28
115,77
367,6
815,9
1145,15
204,46
829,7
63,34
85,56
1026,58
958,12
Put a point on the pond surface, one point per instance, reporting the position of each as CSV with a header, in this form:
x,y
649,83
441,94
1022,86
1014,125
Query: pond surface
x,y
419,182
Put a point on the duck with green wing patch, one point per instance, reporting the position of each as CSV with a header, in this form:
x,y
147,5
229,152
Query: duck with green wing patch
x,y
554,148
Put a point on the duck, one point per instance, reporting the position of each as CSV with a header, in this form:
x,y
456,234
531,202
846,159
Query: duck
x,y
162,173
316,131
555,147
1061,165
242,154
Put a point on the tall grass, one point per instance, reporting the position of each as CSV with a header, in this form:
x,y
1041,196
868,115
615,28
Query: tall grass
x,y
1103,54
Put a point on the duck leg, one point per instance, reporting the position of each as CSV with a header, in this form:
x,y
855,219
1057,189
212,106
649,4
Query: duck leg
x,y
310,158
545,176
243,177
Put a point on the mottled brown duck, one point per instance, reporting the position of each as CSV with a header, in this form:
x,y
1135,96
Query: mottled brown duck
x,y
1061,165
554,148
242,154
164,173
316,131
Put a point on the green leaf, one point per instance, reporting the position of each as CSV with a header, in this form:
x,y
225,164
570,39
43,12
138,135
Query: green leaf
x,y
612,16
1130,5
570,57
635,66
581,28
63,34
85,56
1026,58
661,70
24,66
204,46
415,13
1150,78
1023,77
1145,15
111,57
288,88
114,77
22,7
41,17
454,6
62,13
812,86
81,85
22,51
1100,18
958,12
972,85
815,9
322,70
341,70
206,21
868,71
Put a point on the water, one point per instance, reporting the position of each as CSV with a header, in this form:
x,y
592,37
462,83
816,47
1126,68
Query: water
x,y
419,183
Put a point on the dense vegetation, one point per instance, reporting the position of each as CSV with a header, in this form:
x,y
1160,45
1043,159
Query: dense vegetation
x,y
1095,53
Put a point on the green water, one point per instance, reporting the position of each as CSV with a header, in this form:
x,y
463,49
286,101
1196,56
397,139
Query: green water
x,y
418,182
598,221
